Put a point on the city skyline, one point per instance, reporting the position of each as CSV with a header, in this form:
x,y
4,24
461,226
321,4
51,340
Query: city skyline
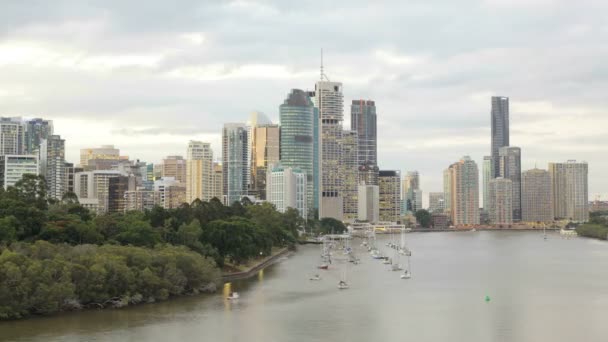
x,y
149,101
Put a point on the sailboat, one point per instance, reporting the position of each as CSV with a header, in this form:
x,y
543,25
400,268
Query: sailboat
x,y
544,232
343,285
407,274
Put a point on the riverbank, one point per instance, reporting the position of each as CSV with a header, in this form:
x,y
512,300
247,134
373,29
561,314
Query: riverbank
x,y
245,271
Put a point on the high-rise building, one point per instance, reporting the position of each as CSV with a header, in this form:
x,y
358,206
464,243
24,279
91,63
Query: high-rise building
x,y
510,167
350,174
500,129
35,131
117,189
12,168
390,195
368,203
265,152
70,171
142,200
487,176
172,192
105,152
464,192
536,196
174,166
411,195
52,165
93,187
12,136
199,171
368,174
447,190
330,101
297,115
363,121
569,188
235,161
218,183
287,189
500,201
436,202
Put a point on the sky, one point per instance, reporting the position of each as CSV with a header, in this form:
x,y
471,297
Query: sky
x,y
148,76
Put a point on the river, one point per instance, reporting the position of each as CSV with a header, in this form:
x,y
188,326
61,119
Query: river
x,y
554,290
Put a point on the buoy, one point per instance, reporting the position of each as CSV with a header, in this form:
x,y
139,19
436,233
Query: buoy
x,y
487,298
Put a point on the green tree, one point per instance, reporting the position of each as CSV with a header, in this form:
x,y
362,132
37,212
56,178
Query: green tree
x,y
330,225
423,217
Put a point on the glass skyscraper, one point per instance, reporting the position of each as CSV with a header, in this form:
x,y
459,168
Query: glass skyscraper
x,y
363,121
500,130
234,161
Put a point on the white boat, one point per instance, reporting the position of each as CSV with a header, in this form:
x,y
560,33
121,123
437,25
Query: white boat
x,y
406,275
233,296
342,285
316,277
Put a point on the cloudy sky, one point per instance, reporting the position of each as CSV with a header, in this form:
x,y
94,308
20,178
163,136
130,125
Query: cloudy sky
x,y
148,76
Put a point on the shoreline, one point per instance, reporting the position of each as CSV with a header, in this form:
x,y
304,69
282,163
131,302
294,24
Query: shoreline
x,y
271,259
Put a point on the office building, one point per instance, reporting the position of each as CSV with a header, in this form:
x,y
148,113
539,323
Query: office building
x,y
500,201
436,202
286,188
536,196
13,167
569,188
265,152
199,171
363,121
447,191
368,173
70,171
12,136
142,200
411,194
463,179
350,175
218,183
117,189
172,192
297,115
35,131
174,167
368,199
105,152
510,167
500,130
235,161
486,176
93,187
330,101
390,195
52,165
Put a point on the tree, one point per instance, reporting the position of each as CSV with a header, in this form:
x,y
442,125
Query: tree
x,y
329,225
423,217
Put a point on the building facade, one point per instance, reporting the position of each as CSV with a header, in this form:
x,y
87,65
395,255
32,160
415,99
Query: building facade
x,y
500,129
93,187
436,202
172,192
175,167
536,196
287,189
13,167
368,203
12,136
363,121
235,161
350,175
199,171
35,131
142,200
52,165
104,152
486,170
390,195
117,189
569,187
265,152
464,192
500,201
510,167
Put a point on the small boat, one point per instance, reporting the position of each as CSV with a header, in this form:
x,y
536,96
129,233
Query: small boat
x,y
387,261
406,275
316,277
233,296
323,266
342,285
473,230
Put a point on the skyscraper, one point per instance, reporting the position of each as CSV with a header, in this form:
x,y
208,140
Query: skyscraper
x,y
265,152
35,131
411,194
297,115
500,129
350,174
218,182
12,136
235,162
199,171
487,176
500,201
287,189
510,167
447,190
330,101
174,166
536,196
463,179
368,199
390,199
368,174
363,121
52,165
12,168
569,188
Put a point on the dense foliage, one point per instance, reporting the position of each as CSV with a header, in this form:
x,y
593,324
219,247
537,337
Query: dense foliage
x,y
423,217
88,259
42,278
597,226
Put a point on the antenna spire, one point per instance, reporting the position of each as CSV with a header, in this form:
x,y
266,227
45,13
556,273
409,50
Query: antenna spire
x,y
321,64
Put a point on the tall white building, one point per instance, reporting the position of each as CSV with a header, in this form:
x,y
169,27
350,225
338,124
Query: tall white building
x,y
199,171
536,196
12,136
52,165
569,187
286,188
330,101
369,203
500,201
235,161
13,167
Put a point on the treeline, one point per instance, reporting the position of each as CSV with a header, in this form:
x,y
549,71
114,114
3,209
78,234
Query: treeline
x,y
43,278
100,252
597,227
